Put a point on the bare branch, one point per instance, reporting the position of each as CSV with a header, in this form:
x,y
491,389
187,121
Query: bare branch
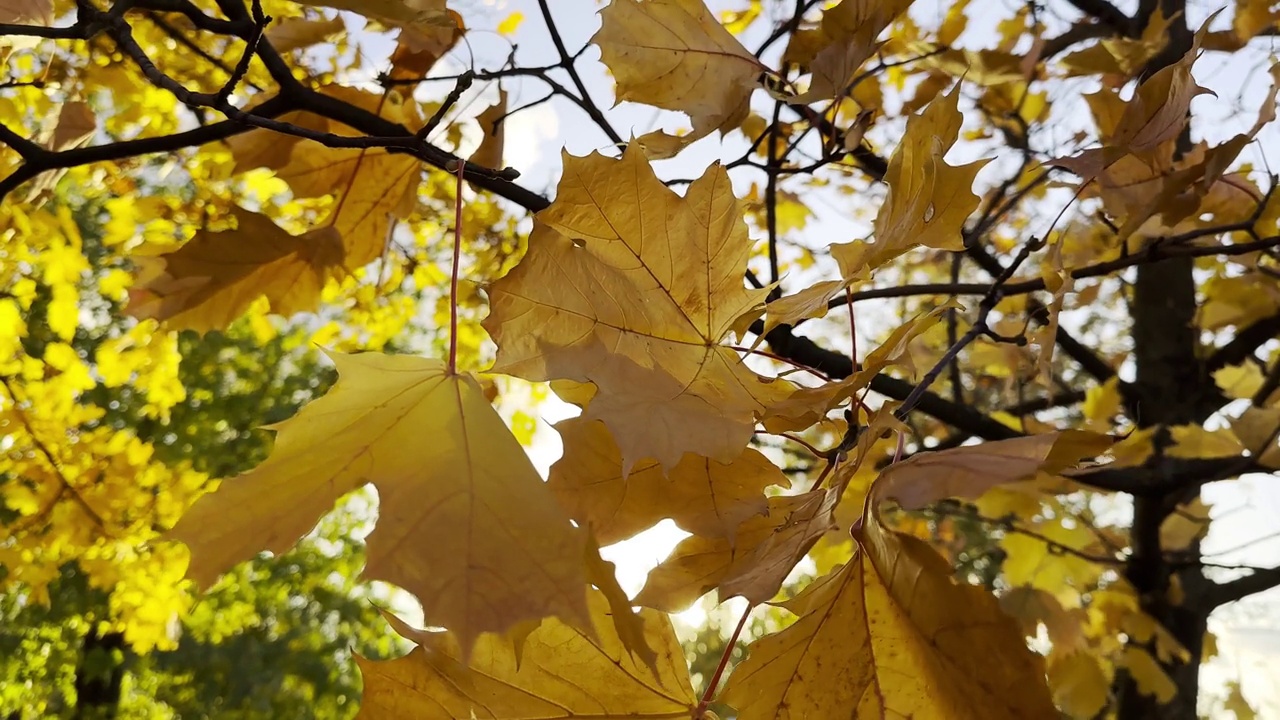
x,y
1258,581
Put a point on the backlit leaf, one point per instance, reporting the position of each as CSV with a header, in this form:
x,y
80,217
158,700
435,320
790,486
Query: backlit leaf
x,y
213,278
889,634
701,495
465,523
675,55
563,673
628,286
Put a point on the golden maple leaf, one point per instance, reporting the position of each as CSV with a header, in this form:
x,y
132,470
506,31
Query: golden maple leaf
x,y
890,632
702,496
560,672
837,48
464,521
631,287
372,185
675,55
753,564
213,278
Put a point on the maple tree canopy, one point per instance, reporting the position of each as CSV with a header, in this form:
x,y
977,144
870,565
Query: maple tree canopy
x,y
924,325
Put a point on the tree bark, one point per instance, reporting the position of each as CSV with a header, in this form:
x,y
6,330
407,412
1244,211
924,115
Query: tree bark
x,y
1172,388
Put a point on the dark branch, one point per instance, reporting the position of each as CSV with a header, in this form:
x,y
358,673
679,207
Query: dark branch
x,y
1244,344
1240,588
1105,13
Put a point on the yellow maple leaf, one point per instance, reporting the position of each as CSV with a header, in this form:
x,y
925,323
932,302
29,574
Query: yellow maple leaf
x,y
418,50
1153,118
631,287
702,496
929,200
465,523
675,55
701,564
409,14
1253,17
372,185
889,634
1257,428
561,672
297,33
806,406
1080,688
1194,441
842,42
1239,382
214,278
489,153
968,472
1147,673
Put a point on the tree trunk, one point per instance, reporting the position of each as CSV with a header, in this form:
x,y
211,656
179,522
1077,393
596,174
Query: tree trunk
x,y
99,676
1171,389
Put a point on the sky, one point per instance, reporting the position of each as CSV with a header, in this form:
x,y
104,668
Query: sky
x,y
1249,510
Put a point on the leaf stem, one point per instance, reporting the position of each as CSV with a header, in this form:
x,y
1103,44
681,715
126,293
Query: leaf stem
x,y
778,358
724,662
453,275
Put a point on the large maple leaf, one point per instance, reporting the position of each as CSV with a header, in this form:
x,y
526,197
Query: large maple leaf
x,y
702,496
891,633
675,55
212,279
560,672
464,523
632,287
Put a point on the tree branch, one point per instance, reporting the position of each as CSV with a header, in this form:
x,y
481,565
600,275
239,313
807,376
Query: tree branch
x,y
1259,581
1104,12
1244,344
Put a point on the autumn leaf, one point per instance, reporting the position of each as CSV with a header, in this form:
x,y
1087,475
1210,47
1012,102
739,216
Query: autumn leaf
x,y
409,14
1151,679
628,625
372,186
806,406
893,612
213,278
76,125
1154,117
675,55
702,496
967,472
628,286
297,33
418,50
1080,687
699,564
1121,55
843,41
759,576
563,672
489,153
465,523
889,634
